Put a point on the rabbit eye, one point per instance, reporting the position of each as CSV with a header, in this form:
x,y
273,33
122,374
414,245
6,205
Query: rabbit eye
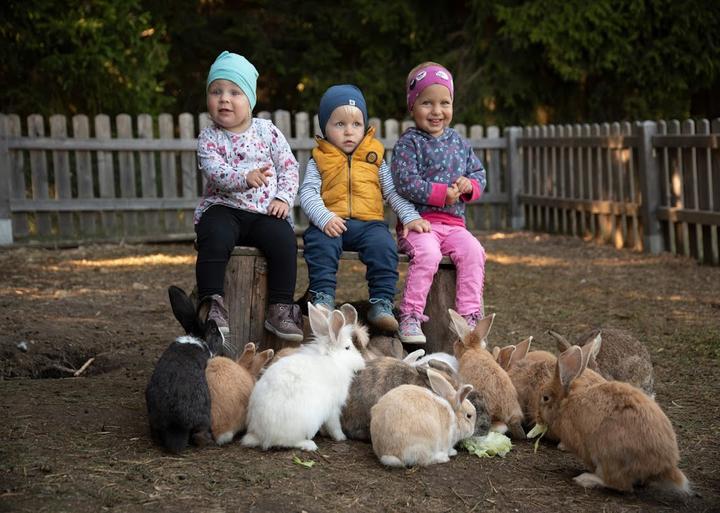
x,y
546,398
469,416
347,348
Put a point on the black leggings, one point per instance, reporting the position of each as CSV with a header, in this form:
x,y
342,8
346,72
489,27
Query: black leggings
x,y
222,228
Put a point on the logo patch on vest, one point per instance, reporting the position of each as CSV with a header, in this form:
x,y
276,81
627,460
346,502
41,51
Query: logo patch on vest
x,y
371,157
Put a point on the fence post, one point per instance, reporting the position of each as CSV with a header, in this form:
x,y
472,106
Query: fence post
x,y
515,178
6,237
650,189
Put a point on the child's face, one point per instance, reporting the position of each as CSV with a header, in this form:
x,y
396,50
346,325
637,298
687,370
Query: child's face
x,y
433,110
345,128
228,106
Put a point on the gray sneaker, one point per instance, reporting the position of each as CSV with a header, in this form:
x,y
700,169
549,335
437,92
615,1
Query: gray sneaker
x,y
381,314
285,321
219,314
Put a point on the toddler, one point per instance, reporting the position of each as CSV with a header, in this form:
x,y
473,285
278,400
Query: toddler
x,y
252,179
342,194
437,170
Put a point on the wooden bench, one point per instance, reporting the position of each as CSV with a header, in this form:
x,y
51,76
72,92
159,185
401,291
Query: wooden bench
x,y
246,301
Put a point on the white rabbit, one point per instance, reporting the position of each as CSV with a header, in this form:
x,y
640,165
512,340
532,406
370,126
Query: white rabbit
x,y
411,425
306,390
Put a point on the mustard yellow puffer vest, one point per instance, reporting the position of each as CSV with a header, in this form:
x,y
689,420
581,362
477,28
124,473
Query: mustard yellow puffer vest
x,y
351,183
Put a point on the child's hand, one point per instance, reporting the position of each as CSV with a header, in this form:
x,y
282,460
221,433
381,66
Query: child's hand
x,y
452,195
278,208
417,225
258,177
464,185
335,227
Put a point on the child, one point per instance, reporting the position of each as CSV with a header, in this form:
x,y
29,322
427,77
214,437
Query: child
x,y
252,179
342,194
438,172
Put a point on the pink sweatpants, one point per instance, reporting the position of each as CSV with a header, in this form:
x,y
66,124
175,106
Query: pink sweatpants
x,y
425,251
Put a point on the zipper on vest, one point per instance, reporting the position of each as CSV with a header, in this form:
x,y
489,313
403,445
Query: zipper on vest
x,y
349,186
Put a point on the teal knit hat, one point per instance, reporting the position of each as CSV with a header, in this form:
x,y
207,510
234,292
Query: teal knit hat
x,y
236,69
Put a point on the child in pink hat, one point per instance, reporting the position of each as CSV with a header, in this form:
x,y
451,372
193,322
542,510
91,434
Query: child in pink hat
x,y
437,170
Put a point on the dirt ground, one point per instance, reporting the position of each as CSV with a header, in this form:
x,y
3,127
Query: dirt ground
x,y
81,444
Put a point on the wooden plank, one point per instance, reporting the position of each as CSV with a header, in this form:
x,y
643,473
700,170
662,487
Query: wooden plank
x,y
632,187
619,223
597,207
515,175
561,177
492,168
690,156
61,168
302,130
148,175
102,204
281,119
545,179
106,176
20,224
666,200
168,171
84,175
713,187
126,167
649,190
587,130
681,215
678,181
574,165
188,168
119,144
6,225
687,140
595,141
391,136
39,176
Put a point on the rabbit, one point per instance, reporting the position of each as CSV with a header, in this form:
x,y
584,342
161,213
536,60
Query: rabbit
x,y
177,396
306,390
620,357
478,368
619,433
443,357
382,375
382,345
411,425
230,383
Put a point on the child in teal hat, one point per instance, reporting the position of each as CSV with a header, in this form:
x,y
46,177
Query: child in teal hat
x,y
251,178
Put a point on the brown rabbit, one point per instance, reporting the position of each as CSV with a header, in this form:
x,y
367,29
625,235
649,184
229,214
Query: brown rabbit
x,y
382,375
478,368
621,356
230,383
619,433
412,425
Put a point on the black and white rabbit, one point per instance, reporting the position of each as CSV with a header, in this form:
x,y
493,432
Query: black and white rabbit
x,y
177,396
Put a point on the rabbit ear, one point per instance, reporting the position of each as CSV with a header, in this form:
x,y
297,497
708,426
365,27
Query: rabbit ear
x,y
318,320
260,360
335,324
590,351
458,325
570,366
505,356
213,337
462,393
496,352
482,328
183,308
521,351
413,357
560,341
350,313
441,386
397,348
246,358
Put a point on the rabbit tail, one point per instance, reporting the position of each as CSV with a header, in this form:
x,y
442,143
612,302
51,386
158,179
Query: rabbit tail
x,y
673,480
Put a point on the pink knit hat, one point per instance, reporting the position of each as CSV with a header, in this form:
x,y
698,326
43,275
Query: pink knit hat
x,y
424,78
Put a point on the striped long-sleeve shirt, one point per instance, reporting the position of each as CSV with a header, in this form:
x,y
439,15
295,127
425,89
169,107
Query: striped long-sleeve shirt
x,y
318,214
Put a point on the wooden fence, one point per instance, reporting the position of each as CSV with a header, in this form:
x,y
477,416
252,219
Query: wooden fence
x,y
647,186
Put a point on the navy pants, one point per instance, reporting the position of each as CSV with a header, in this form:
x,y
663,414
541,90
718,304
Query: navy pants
x,y
222,228
377,249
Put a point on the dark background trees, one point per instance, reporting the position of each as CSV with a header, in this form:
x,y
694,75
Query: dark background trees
x,y
514,61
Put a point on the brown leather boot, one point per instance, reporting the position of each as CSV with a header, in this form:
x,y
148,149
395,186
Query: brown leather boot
x,y
285,321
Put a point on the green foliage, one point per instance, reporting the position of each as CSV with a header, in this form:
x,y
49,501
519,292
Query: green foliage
x,y
79,56
514,61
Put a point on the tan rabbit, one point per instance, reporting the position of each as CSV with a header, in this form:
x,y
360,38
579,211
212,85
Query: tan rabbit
x,y
528,371
620,356
619,433
478,368
230,383
412,425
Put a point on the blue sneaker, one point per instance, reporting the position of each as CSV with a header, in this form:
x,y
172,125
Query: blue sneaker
x,y
381,315
323,299
410,331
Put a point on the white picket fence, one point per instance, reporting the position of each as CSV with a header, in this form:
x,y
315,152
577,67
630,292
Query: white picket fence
x,y
647,186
